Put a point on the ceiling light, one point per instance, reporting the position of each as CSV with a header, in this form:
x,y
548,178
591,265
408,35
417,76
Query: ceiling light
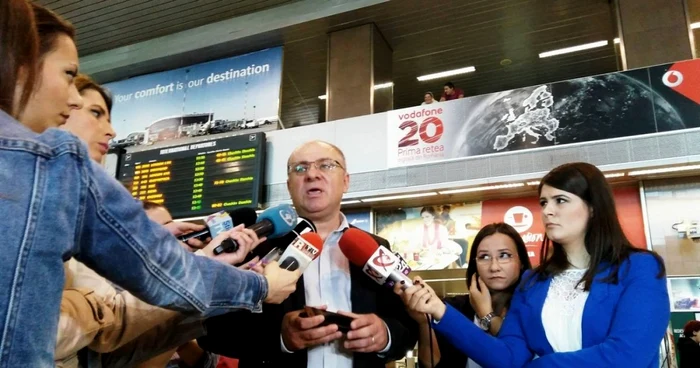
x,y
614,175
384,85
616,40
402,196
533,183
483,188
447,73
322,97
350,201
664,170
695,25
571,49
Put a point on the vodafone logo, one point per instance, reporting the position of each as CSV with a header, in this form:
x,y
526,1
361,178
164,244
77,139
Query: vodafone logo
x,y
519,217
672,78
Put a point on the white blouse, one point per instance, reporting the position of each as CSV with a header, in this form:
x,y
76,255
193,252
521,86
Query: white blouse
x,y
562,312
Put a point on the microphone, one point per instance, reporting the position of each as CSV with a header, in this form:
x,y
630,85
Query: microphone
x,y
223,221
377,262
273,222
304,226
303,250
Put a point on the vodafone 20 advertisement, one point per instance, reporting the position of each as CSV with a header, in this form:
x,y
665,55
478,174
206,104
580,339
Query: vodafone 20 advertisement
x,y
622,104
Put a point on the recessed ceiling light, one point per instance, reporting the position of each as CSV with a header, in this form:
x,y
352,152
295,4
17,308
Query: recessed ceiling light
x,y
447,73
664,170
695,25
568,50
533,183
384,85
614,175
483,188
616,40
401,196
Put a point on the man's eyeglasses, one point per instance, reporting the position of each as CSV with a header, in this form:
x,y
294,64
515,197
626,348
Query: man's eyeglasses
x,y
325,165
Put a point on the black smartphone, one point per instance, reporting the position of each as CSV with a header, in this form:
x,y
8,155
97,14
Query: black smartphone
x,y
331,318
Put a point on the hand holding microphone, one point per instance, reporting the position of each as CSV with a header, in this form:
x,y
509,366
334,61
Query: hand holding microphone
x,y
246,239
272,223
280,283
421,298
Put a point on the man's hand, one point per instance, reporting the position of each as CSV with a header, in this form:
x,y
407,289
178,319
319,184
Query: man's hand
x,y
280,283
247,240
368,333
300,333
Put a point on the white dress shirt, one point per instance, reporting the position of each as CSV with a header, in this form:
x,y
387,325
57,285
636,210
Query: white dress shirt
x,y
327,282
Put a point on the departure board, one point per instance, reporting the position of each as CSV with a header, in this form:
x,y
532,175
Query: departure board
x,y
199,178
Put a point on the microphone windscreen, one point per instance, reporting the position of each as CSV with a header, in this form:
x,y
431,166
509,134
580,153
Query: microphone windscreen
x,y
315,240
282,217
357,246
243,215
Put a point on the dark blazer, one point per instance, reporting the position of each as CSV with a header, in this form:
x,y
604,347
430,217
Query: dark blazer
x,y
254,338
689,352
450,356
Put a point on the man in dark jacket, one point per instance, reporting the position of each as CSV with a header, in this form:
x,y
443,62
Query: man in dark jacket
x,y
381,332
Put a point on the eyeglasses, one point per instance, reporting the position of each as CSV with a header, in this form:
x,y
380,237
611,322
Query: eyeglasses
x,y
504,258
324,165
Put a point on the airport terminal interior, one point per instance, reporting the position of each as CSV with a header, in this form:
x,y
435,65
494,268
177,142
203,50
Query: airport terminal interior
x,y
448,113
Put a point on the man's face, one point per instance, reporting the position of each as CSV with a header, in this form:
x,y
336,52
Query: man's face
x,y
317,180
448,91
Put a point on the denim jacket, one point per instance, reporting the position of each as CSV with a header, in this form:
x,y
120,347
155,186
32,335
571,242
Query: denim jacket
x,y
56,203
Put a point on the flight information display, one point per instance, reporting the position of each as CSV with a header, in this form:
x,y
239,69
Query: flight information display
x,y
199,178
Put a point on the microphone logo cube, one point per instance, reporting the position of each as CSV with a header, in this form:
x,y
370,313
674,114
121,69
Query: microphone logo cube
x,y
380,265
305,247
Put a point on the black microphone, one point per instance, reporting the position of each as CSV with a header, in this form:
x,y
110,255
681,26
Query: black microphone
x,y
304,226
219,222
274,222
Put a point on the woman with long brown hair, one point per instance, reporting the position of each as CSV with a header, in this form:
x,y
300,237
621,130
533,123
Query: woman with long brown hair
x,y
596,301
56,203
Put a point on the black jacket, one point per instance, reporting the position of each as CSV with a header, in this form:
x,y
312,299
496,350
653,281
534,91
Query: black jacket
x,y
254,338
451,357
689,352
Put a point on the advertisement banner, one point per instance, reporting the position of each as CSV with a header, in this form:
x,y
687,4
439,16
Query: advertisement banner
x,y
607,106
215,97
431,237
360,220
684,293
525,215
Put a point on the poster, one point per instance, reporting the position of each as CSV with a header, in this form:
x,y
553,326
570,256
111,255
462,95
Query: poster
x,y
361,220
431,237
684,293
219,96
614,105
525,215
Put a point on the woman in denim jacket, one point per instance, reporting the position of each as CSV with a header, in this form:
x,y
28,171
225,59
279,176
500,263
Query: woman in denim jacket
x,y
56,204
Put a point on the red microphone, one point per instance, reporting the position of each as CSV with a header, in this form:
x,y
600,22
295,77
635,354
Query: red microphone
x,y
301,252
377,262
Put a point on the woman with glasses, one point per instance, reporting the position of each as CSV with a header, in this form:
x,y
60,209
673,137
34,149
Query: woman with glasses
x,y
497,260
594,301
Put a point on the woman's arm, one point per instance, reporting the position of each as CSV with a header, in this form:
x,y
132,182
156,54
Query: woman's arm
x,y
426,338
639,323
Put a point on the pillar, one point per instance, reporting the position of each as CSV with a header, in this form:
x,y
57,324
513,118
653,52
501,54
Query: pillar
x,y
653,32
358,59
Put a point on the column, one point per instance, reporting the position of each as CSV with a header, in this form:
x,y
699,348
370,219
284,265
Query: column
x,y
653,32
359,59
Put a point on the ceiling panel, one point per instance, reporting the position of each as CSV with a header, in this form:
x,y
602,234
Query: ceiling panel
x,y
108,24
426,37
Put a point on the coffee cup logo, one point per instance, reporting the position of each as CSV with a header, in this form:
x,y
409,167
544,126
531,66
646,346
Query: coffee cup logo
x,y
519,217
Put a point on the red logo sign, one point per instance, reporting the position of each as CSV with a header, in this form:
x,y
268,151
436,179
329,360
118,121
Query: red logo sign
x,y
383,260
684,78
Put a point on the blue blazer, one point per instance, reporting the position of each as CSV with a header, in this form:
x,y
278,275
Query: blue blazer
x,y
623,324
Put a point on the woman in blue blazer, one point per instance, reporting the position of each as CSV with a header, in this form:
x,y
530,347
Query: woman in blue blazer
x,y
594,301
